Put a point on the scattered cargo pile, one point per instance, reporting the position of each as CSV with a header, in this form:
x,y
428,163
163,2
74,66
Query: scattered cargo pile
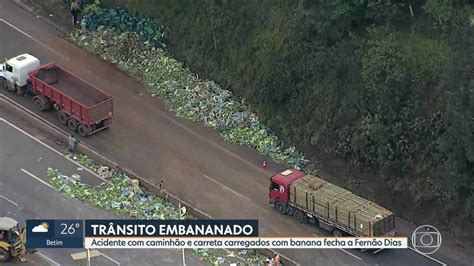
x,y
121,195
121,20
187,95
117,194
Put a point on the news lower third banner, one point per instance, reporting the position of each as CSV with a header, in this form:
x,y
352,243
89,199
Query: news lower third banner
x,y
246,242
170,234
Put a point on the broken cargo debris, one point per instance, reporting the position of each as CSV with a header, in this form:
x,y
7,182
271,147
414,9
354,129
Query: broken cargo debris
x,y
122,21
118,194
188,96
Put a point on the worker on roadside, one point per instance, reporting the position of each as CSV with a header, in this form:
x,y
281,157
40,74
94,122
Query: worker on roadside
x,y
264,165
72,141
75,8
269,262
276,260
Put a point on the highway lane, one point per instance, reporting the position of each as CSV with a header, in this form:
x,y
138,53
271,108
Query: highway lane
x,y
222,179
176,159
26,194
176,153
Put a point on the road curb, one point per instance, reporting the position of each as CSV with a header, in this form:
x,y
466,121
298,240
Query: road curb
x,y
144,182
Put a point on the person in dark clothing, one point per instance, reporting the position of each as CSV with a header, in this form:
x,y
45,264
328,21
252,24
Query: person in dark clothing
x,y
75,8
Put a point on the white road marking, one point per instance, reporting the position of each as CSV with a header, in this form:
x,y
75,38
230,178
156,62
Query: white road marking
x,y
48,258
31,37
428,257
351,254
226,187
9,201
109,258
37,178
378,250
50,148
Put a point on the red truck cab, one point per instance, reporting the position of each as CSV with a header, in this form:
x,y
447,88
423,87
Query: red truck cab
x,y
279,184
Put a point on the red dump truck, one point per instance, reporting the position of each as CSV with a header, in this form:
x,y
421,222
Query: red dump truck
x,y
82,107
311,199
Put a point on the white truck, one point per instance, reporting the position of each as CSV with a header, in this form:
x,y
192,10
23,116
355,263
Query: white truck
x,y
14,72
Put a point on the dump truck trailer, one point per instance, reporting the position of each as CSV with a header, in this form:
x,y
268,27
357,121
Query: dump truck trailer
x,y
82,107
311,199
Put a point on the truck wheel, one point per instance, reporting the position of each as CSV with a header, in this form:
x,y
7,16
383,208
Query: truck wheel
x,y
62,117
337,233
300,216
5,255
42,103
72,124
280,206
39,103
83,130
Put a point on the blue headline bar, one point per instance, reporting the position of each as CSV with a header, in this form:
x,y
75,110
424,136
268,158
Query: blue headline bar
x,y
171,228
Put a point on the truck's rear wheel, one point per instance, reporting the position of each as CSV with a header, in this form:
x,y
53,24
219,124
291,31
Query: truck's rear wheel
x,y
337,233
83,130
5,255
301,217
62,117
72,124
41,103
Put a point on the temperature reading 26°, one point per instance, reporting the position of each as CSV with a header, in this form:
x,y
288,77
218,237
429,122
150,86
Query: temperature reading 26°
x,y
69,229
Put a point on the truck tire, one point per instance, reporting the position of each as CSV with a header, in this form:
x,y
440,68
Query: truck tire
x,y
280,206
83,130
5,255
72,124
41,103
337,233
62,117
301,217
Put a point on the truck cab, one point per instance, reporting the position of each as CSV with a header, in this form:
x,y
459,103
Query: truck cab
x,y
279,188
14,72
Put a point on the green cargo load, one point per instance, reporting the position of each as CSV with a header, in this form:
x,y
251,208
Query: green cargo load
x,y
337,206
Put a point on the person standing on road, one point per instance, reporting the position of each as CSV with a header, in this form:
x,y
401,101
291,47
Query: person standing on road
x,y
72,143
75,8
276,260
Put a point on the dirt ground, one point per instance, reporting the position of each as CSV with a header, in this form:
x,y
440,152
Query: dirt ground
x,y
364,182
53,10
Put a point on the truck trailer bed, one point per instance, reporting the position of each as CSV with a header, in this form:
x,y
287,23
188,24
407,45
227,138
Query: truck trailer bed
x,y
72,86
341,206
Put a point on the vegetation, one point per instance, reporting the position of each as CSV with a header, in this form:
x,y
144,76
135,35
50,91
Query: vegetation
x,y
386,84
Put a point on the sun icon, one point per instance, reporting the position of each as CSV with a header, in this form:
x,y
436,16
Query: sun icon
x,y
45,225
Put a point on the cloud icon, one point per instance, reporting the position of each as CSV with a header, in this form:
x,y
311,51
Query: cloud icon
x,y
42,228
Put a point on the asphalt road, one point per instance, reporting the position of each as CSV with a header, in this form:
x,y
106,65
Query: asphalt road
x,y
26,194
222,180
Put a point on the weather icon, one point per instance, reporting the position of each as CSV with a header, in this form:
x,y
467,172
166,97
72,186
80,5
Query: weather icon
x,y
42,228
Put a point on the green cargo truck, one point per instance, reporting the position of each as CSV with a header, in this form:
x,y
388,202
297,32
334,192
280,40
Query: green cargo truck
x,y
311,199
